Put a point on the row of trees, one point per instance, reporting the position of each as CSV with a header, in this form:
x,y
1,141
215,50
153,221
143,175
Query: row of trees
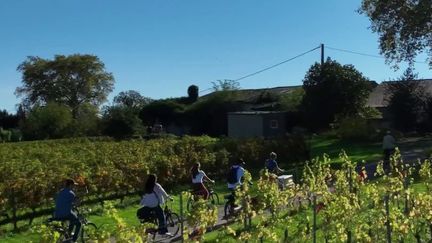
x,y
331,92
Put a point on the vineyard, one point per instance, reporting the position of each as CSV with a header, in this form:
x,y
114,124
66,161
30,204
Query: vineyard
x,y
327,206
31,173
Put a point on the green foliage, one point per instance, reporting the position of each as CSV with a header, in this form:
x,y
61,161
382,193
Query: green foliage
x,y
333,89
209,115
403,27
131,99
122,122
68,80
5,135
164,111
226,85
30,171
356,128
406,101
267,97
7,120
193,92
45,122
291,101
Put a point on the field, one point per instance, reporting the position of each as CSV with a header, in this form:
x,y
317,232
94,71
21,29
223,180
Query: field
x,y
290,217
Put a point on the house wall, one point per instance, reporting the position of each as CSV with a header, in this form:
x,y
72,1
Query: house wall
x,y
244,126
280,119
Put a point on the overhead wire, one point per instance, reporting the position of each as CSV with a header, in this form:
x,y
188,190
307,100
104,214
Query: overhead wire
x,y
270,67
360,53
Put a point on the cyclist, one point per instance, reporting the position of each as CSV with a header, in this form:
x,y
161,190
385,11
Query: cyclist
x,y
63,208
198,177
272,165
234,178
154,197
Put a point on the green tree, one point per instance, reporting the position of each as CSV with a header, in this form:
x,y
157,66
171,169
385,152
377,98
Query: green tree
x,y
226,85
333,89
131,99
164,111
193,92
47,122
122,122
292,100
68,80
406,100
404,27
209,115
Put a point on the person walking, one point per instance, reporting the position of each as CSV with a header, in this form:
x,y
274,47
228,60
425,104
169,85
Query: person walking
x,y
389,146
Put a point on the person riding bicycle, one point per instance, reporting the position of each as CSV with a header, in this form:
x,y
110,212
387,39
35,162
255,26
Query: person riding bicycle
x,y
198,177
234,178
272,166
63,208
154,197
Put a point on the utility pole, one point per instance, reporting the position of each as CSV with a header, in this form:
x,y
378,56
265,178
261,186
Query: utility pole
x,y
322,54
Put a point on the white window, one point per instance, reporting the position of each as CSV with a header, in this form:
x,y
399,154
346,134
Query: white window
x,y
274,124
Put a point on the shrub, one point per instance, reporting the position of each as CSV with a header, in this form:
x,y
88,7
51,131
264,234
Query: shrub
x,y
355,128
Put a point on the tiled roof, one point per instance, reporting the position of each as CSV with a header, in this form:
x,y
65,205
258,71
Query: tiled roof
x,y
378,97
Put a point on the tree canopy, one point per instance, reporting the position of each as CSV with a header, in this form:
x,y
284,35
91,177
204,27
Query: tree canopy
x,y
68,80
404,27
333,89
406,99
131,99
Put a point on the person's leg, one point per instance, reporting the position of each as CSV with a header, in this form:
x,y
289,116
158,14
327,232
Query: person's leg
x,y
161,219
204,192
386,161
74,222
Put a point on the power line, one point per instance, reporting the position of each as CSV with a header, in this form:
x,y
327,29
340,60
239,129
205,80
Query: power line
x,y
267,68
359,53
205,90
278,64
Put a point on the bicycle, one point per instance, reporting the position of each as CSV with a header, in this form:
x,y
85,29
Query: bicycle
x,y
213,198
172,220
63,227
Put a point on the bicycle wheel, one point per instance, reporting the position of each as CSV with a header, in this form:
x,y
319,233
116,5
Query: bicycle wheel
x,y
228,209
87,232
173,223
214,198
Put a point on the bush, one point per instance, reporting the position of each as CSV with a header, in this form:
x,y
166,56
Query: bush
x,y
356,128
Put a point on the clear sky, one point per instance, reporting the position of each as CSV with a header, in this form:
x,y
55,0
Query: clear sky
x,y
160,47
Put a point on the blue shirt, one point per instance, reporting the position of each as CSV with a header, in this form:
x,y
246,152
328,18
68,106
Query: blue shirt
x,y
271,165
64,201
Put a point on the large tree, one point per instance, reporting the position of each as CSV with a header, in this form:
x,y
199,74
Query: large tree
x,y
68,80
406,99
131,99
404,27
333,89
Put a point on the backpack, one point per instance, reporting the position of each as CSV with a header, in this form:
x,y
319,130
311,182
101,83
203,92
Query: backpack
x,y
232,175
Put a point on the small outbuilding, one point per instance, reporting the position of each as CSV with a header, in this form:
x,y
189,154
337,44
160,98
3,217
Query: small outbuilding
x,y
266,124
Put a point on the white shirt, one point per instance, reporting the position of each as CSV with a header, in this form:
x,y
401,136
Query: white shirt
x,y
199,177
240,174
157,197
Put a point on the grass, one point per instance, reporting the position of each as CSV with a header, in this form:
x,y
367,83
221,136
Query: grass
x,y
332,146
126,211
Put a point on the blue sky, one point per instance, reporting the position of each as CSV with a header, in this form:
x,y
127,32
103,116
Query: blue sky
x,y
160,47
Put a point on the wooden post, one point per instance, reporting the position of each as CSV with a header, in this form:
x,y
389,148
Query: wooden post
x,y
387,208
181,217
314,218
